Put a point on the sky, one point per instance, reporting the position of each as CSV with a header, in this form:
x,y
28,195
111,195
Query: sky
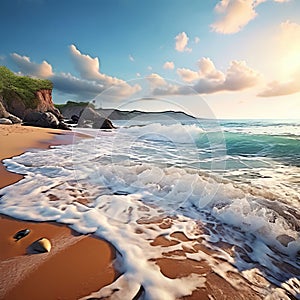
x,y
210,58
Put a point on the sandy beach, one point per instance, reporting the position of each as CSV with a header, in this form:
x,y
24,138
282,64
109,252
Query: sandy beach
x,y
76,265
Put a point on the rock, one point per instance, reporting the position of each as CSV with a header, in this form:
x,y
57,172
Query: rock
x,y
40,119
89,115
41,246
285,239
103,123
5,114
3,111
63,125
5,121
75,119
20,234
14,119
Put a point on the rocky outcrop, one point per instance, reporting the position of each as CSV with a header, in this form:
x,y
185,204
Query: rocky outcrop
x,y
43,119
72,108
41,103
22,97
90,118
45,103
85,115
4,121
6,117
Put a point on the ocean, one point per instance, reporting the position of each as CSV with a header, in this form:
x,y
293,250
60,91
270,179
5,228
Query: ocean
x,y
233,182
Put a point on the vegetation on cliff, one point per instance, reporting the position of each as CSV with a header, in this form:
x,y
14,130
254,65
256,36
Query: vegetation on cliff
x,y
74,104
25,87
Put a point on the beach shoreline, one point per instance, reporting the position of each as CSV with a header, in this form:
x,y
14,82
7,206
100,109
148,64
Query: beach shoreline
x,y
80,265
66,272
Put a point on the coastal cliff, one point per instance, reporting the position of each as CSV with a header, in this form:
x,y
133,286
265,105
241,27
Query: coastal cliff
x,y
21,95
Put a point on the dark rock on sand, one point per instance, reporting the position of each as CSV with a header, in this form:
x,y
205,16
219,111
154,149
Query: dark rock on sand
x,y
14,119
20,234
41,119
44,119
63,125
75,119
4,114
42,245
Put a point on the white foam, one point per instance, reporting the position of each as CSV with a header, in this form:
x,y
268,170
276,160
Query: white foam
x,y
124,187
175,133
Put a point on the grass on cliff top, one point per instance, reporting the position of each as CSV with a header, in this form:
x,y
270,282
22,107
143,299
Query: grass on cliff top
x,y
73,104
25,87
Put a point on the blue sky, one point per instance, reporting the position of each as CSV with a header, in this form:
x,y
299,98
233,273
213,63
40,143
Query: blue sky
x,y
228,59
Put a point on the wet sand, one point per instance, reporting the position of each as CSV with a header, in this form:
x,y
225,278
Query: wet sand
x,y
76,265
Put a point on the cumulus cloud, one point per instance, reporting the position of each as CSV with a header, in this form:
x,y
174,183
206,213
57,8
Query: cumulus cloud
x,y
187,75
234,15
91,81
69,84
207,79
181,41
28,67
239,76
207,69
169,65
156,80
89,69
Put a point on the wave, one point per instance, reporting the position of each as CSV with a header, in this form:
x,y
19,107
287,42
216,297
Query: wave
x,y
144,173
175,133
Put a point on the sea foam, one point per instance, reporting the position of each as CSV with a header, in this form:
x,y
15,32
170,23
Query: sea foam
x,y
129,177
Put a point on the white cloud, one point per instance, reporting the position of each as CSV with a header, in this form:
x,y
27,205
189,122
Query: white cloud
x,y
234,15
156,80
131,58
28,67
169,65
187,75
209,80
208,69
181,42
276,88
149,68
138,74
91,83
89,69
239,76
